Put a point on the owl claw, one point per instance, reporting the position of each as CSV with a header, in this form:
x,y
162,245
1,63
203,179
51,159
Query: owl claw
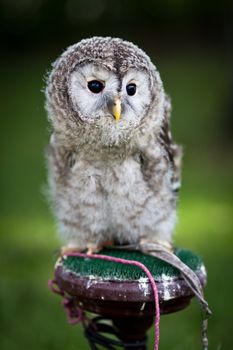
x,y
69,249
96,248
91,248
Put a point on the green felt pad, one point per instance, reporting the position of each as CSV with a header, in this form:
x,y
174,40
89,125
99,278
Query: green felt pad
x,y
111,270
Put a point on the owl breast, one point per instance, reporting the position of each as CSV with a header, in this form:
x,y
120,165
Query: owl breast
x,y
109,201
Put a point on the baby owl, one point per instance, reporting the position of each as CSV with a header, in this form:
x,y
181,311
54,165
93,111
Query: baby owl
x,y
114,170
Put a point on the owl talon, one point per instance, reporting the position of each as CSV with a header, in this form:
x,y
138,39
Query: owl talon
x,y
96,248
91,248
66,250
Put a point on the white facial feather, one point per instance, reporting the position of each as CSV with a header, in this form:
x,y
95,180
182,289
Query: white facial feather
x,y
91,105
134,106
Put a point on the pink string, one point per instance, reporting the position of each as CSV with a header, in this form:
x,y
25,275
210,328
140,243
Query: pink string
x,y
147,272
74,314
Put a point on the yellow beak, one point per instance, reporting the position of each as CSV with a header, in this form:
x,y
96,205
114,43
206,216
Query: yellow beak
x,y
116,108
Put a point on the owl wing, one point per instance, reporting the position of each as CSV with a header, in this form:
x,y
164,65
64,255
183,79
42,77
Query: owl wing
x,y
59,162
173,151
152,163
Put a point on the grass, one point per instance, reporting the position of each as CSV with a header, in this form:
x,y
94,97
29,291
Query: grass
x,y
30,316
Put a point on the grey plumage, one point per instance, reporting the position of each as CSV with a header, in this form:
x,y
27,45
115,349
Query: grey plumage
x,y
110,181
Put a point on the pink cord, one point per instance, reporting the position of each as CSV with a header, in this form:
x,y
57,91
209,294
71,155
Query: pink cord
x,y
74,314
147,272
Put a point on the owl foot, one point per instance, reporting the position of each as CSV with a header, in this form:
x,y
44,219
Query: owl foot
x,y
69,249
93,248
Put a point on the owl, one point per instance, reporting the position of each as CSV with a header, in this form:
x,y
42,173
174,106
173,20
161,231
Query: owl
x,y
113,168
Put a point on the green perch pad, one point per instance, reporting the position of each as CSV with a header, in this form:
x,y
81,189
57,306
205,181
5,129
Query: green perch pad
x,y
108,270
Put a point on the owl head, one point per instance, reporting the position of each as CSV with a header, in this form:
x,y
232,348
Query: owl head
x,y
104,87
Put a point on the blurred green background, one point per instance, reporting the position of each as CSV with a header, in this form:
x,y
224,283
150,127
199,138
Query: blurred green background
x,y
190,41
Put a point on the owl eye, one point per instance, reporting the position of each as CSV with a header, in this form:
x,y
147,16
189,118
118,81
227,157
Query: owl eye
x,y
95,86
131,89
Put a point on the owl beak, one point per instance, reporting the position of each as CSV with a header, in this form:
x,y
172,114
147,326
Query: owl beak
x,y
116,108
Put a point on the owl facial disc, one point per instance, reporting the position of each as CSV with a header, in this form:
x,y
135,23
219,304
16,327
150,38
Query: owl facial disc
x,y
105,85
